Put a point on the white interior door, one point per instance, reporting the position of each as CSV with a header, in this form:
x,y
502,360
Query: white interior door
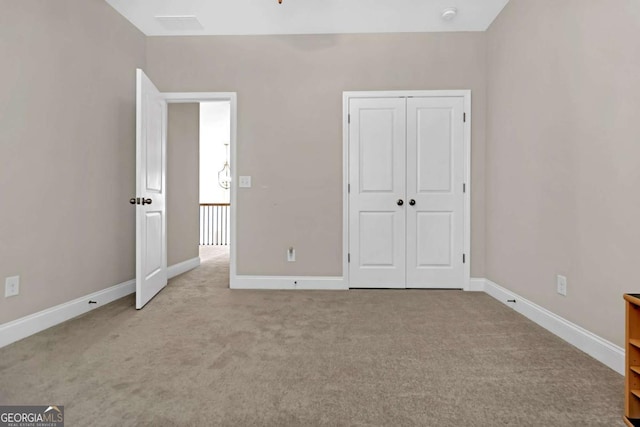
x,y
407,171
435,179
151,165
377,183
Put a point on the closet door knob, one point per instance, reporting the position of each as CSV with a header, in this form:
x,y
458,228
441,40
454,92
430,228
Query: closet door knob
x,y
400,202
412,202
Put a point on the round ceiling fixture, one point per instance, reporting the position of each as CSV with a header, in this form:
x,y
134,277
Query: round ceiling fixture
x,y
449,13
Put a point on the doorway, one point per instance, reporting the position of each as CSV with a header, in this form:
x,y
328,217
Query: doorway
x,y
408,187
215,181
217,153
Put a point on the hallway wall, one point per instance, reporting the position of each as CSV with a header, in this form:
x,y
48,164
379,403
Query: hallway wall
x,y
183,147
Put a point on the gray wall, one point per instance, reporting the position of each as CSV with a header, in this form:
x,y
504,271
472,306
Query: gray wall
x,y
183,182
67,150
563,156
290,126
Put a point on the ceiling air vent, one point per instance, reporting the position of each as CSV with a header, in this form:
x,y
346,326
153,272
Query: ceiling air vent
x,y
179,22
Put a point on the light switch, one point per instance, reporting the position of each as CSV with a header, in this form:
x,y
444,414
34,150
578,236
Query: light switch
x,y
245,182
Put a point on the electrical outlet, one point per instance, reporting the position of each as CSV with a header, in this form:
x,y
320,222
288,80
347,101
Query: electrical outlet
x,y
291,254
11,286
561,285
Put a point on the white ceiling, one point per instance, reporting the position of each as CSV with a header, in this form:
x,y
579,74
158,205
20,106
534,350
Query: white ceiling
x,y
218,17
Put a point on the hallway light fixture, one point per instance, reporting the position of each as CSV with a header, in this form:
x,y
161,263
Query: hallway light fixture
x,y
224,176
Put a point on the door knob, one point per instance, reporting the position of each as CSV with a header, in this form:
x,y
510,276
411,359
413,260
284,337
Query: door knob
x,y
146,201
412,202
400,202
132,201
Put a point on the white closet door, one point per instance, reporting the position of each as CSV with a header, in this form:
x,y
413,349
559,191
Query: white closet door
x,y
377,178
435,178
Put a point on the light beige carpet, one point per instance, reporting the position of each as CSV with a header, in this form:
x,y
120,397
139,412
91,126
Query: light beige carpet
x,y
201,354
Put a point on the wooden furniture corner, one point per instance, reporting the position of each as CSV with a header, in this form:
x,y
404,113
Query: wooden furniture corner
x,y
632,360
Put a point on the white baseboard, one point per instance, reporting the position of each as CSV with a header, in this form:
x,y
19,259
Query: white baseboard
x,y
595,346
32,324
600,349
45,319
476,285
182,267
288,283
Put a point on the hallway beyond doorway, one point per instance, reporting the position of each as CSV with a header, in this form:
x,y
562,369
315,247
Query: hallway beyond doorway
x,y
214,254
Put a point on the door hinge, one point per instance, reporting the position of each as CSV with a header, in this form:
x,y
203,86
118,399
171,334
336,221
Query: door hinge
x,y
464,187
348,188
348,118
464,117
348,257
464,258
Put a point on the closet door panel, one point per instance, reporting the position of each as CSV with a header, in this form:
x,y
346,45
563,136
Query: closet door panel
x,y
377,178
435,177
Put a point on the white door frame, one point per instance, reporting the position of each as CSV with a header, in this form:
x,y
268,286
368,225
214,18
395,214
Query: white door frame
x,y
193,97
346,97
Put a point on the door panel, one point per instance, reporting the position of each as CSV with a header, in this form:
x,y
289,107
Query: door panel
x,y
377,236
151,222
434,166
153,233
154,144
376,150
435,177
433,231
377,178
